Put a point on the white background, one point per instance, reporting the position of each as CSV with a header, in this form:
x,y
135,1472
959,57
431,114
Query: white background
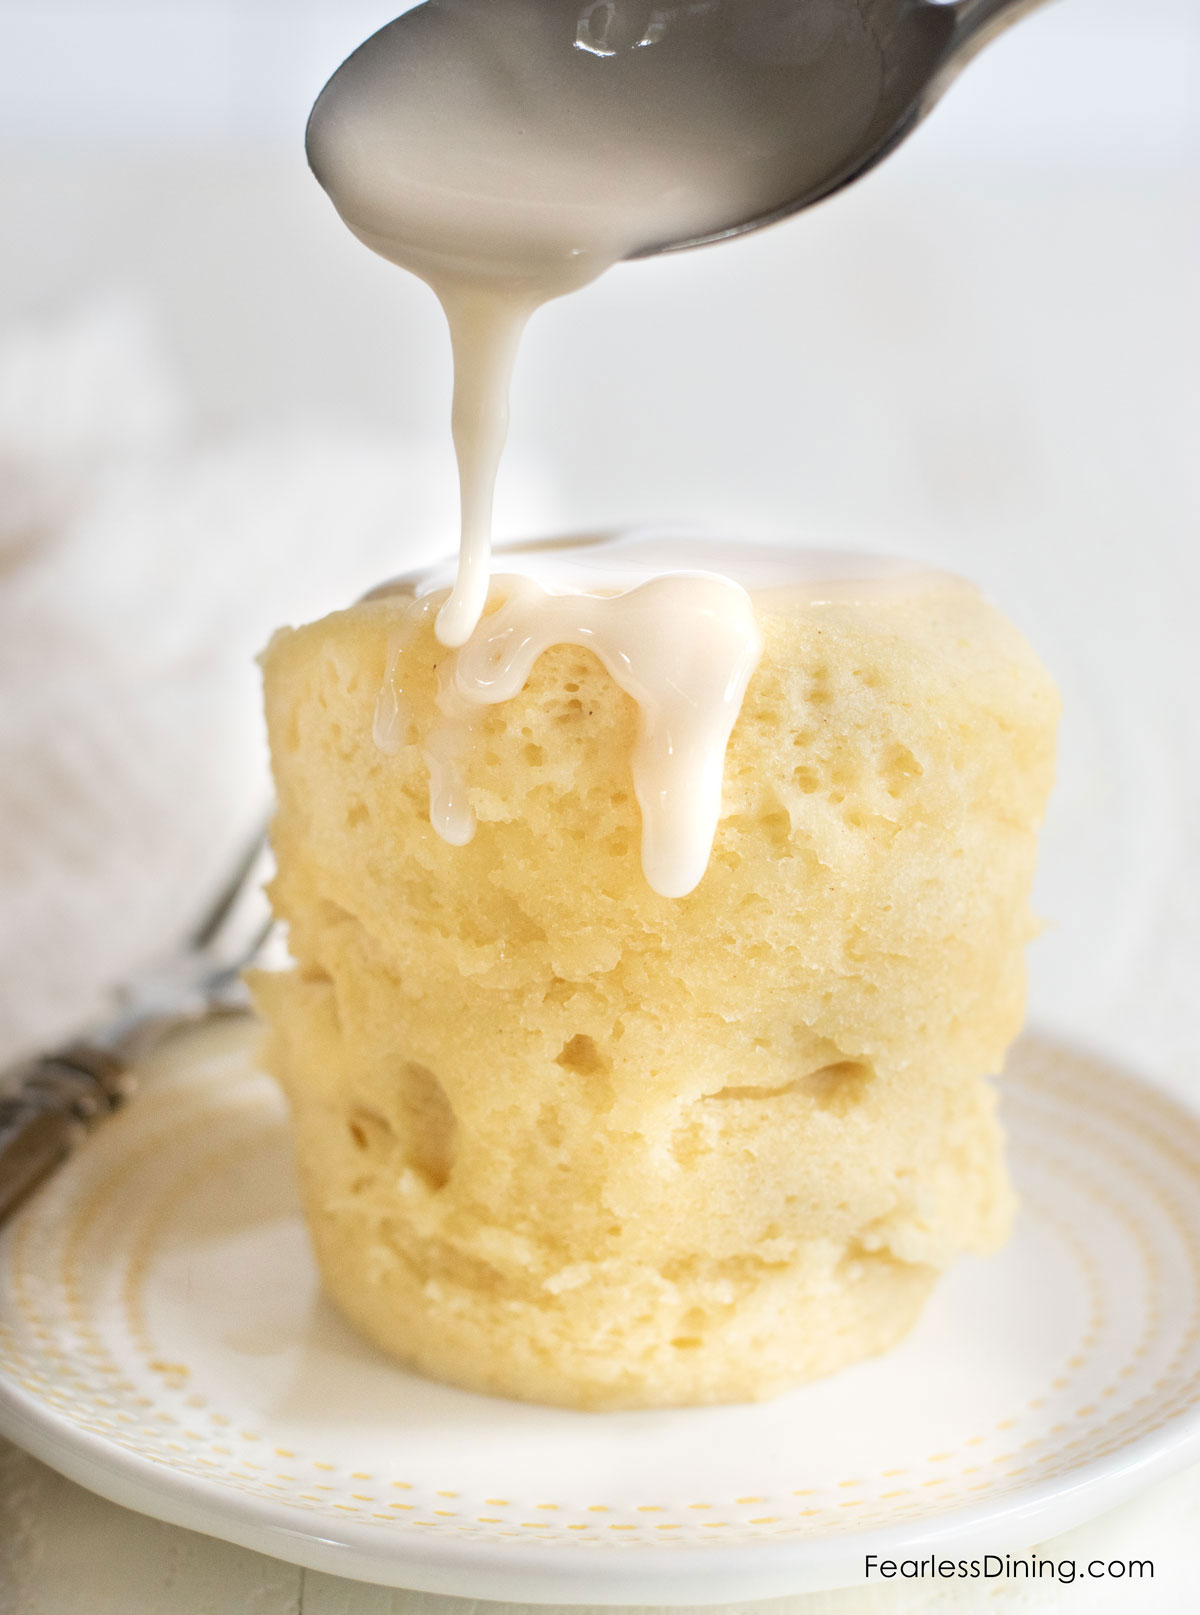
x,y
986,353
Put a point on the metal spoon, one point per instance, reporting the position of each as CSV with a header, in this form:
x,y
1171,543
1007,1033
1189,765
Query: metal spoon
x,y
670,122
924,45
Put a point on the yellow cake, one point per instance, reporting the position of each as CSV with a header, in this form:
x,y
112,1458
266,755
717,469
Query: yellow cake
x,y
567,1140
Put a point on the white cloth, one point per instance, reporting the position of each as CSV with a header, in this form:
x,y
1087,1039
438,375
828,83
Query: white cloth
x,y
141,570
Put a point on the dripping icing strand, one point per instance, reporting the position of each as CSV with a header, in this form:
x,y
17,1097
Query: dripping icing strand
x,y
448,745
682,644
684,648
511,151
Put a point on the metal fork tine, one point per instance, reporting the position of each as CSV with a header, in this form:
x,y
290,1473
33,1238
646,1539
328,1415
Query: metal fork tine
x,y
48,1103
228,896
229,974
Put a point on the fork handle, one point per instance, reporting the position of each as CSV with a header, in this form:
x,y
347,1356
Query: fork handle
x,y
47,1106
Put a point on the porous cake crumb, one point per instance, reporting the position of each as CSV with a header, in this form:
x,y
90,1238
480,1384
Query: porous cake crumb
x,y
566,1140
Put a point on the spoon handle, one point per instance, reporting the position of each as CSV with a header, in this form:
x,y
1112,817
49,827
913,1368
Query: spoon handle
x,y
979,21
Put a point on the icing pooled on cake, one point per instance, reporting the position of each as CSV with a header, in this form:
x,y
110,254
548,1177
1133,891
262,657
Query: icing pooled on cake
x,y
673,621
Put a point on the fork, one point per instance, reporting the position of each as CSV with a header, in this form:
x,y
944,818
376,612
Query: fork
x,y
50,1103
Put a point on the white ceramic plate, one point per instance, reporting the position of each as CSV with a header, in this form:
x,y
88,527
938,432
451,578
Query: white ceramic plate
x,y
163,1341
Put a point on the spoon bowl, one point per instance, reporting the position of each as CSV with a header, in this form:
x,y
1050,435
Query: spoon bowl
x,y
584,131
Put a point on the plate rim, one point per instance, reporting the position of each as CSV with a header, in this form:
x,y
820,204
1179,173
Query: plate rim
x,y
532,1572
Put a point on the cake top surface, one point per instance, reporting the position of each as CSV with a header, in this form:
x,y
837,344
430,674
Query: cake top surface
x,y
675,621
773,574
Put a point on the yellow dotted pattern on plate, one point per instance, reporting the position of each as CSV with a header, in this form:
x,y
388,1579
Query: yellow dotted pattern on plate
x,y
63,1361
